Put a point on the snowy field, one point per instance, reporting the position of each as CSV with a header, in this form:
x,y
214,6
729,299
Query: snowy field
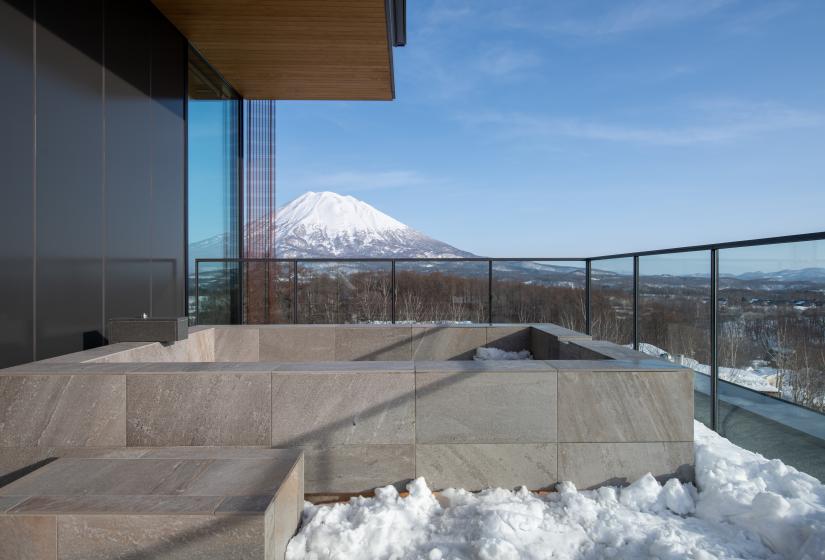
x,y
746,507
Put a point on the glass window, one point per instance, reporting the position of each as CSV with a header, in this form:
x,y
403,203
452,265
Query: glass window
x,y
674,316
539,292
772,351
611,300
213,193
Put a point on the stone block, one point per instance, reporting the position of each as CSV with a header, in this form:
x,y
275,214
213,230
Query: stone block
x,y
370,342
190,506
357,468
297,343
62,410
28,538
509,338
477,466
486,407
446,343
237,344
625,406
198,409
154,329
329,409
590,465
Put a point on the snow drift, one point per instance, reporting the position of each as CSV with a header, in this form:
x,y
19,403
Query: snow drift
x,y
746,507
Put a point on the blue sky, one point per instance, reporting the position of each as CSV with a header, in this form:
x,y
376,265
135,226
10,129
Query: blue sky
x,y
582,128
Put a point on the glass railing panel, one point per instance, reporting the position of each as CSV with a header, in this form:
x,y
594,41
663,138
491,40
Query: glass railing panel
x,y
611,300
442,291
344,292
772,350
539,292
674,316
218,294
267,292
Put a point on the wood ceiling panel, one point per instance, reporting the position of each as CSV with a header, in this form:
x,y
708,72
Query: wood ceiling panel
x,y
292,49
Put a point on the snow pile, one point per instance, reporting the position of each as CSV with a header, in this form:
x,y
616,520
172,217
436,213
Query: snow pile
x,y
483,354
748,507
785,507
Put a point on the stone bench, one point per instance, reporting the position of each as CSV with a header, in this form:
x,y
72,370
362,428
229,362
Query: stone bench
x,y
206,503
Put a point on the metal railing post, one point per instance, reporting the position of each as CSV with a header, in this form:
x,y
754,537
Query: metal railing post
x,y
714,339
490,291
295,292
197,293
635,302
588,317
266,292
392,291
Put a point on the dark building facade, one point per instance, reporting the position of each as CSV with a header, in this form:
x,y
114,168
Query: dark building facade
x,y
121,119
93,160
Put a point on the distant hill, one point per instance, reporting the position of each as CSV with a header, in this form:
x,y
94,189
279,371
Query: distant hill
x,y
327,224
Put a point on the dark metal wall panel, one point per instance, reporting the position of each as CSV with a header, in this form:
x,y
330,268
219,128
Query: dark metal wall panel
x,y
16,183
69,100
168,168
128,141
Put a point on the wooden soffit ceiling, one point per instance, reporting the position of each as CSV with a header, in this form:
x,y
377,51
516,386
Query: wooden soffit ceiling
x,y
292,49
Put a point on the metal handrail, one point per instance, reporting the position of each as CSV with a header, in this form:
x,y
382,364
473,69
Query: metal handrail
x,y
712,249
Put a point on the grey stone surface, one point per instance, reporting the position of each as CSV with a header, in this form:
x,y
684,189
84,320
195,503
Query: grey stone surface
x,y
446,343
328,409
28,538
357,468
8,502
491,366
486,407
160,537
297,343
559,331
614,365
573,350
617,406
370,342
510,338
154,329
589,465
198,409
479,466
344,367
543,345
198,347
284,514
62,410
237,344
157,508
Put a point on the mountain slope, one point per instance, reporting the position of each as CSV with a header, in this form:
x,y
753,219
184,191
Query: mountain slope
x,y
326,224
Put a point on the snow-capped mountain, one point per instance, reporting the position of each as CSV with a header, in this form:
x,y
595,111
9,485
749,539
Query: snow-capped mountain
x,y
327,224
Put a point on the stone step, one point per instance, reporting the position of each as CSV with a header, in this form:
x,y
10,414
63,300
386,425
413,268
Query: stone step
x,y
192,502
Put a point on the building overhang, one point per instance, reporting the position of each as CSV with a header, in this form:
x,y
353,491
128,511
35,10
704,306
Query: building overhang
x,y
296,49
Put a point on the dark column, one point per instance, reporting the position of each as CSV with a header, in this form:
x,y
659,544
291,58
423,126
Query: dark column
x,y
127,159
16,183
168,167
69,246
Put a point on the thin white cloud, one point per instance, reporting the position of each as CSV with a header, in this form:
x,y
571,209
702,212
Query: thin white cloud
x,y
722,122
352,181
504,61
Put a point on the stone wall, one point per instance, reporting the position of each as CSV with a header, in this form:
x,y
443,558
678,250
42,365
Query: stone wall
x,y
609,417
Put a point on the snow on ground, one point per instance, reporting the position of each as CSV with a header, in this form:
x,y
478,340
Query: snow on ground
x,y
746,507
750,378
496,354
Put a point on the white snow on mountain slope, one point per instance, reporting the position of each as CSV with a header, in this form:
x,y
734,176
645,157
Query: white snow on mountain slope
x,y
746,507
327,224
